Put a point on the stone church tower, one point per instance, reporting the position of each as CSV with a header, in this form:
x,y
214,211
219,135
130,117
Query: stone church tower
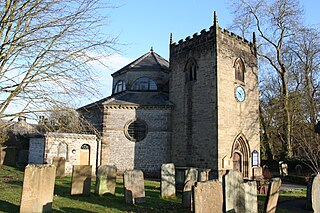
x,y
200,109
214,88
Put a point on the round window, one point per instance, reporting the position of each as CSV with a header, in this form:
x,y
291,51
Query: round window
x,y
136,130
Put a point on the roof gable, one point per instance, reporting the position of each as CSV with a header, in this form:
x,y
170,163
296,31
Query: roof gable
x,y
149,61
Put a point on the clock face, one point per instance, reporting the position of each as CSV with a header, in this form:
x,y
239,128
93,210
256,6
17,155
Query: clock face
x,y
240,94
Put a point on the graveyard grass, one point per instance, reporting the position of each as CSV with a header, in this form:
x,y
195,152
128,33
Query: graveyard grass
x,y
11,186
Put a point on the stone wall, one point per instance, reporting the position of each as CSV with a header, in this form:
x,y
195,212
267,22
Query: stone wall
x,y
147,154
65,145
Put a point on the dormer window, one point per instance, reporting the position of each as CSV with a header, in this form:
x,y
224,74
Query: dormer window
x,y
120,86
191,70
144,84
239,70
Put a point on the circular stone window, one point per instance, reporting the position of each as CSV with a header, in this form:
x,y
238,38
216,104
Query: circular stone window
x,y
136,130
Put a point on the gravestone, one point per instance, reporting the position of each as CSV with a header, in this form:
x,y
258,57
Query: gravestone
x,y
266,172
187,195
38,187
257,173
134,186
191,174
251,199
298,169
315,193
234,192
203,174
106,179
168,184
208,197
81,180
60,164
285,170
309,192
273,195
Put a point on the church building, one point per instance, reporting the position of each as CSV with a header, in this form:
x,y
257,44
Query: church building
x,y
199,109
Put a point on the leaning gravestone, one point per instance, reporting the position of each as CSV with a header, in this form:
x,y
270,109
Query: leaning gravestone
x,y
81,180
187,198
273,195
208,197
234,192
60,164
134,186
168,183
315,193
251,199
106,179
38,187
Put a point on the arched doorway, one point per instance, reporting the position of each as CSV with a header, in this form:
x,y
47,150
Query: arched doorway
x,y
85,154
240,155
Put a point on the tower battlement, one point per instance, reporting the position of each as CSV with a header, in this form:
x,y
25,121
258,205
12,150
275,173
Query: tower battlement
x,y
206,35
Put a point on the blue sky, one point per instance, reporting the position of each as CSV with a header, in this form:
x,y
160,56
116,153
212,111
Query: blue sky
x,y
142,24
145,23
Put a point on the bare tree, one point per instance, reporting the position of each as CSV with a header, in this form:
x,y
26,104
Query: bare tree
x,y
46,47
276,22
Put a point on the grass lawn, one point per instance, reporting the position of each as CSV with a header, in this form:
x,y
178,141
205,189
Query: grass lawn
x,y
11,186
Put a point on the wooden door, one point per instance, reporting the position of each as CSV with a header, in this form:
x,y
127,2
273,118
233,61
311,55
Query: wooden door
x,y
85,154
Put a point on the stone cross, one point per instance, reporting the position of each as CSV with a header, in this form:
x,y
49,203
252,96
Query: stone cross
x,y
208,197
315,193
106,179
168,183
38,187
134,186
81,180
234,195
273,195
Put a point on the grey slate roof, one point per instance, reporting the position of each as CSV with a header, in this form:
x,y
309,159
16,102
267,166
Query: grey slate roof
x,y
141,99
149,61
134,99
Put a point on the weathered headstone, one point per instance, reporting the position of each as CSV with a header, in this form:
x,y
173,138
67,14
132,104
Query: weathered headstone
x,y
208,197
81,180
60,164
273,195
38,187
168,184
106,179
298,169
285,169
134,186
257,173
187,196
315,193
203,174
251,199
191,174
234,199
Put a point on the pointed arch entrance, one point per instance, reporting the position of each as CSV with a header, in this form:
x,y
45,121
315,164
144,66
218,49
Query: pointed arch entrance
x,y
240,155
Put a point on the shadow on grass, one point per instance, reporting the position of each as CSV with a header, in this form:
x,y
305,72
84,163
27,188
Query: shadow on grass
x,y
153,201
8,207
